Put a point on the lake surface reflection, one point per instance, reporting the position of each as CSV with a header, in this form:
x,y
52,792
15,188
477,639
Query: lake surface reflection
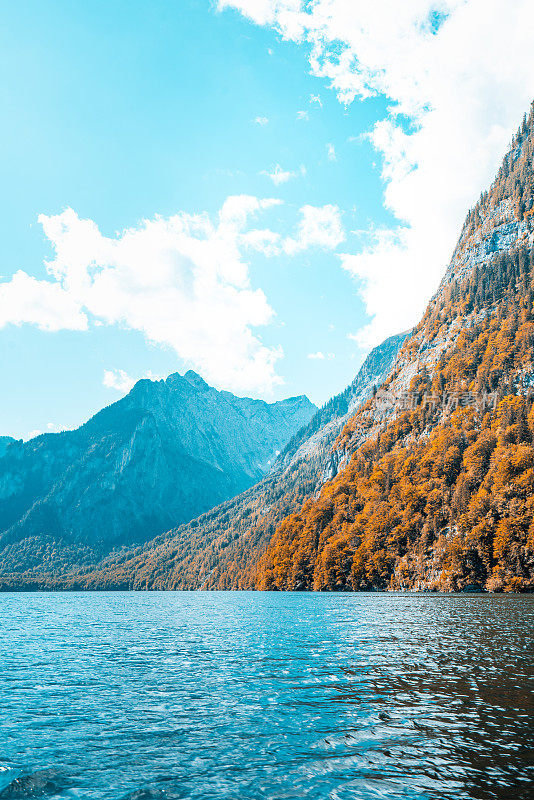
x,y
272,696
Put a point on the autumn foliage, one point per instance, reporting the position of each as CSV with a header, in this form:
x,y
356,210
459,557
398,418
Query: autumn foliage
x,y
453,510
441,498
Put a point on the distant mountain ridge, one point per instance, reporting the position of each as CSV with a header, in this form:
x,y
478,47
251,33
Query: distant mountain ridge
x,y
220,548
319,434
160,456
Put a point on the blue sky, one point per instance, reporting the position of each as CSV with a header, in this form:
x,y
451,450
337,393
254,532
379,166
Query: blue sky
x,y
125,112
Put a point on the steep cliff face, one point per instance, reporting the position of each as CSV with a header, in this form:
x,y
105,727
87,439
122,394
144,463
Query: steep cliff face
x,y
438,489
166,452
221,548
313,443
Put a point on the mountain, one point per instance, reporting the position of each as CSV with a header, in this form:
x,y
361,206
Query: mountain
x,y
158,457
221,548
312,443
438,489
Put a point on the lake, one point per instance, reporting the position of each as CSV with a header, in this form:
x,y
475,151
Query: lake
x,y
266,695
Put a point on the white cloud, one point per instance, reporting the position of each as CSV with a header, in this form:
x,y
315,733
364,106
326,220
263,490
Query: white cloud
x,y
238,208
263,241
319,227
315,100
117,379
183,281
331,152
303,116
261,121
462,72
320,356
279,175
269,12
42,303
53,427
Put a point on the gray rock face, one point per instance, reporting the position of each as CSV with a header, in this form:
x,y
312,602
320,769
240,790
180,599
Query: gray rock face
x,y
313,443
160,456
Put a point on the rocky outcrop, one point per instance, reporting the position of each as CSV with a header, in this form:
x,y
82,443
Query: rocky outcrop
x,y
314,444
158,457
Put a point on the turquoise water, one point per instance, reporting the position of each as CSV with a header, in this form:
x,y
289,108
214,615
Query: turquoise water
x,y
278,696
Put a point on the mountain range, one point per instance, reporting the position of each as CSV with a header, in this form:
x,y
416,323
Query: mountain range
x,y
420,476
162,455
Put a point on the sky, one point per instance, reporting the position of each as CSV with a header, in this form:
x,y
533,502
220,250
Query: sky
x,y
259,190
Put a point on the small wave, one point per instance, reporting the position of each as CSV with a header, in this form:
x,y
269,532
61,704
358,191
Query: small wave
x,y
154,793
36,784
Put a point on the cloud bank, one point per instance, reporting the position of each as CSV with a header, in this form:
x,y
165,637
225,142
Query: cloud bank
x,y
459,75
183,281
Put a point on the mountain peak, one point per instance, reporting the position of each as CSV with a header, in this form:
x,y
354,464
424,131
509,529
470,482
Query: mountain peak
x,y
196,380
156,458
503,217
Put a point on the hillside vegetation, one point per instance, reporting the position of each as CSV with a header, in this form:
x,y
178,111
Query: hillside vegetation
x,y
439,490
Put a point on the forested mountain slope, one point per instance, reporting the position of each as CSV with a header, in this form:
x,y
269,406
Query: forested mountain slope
x,y
166,452
221,548
5,441
439,490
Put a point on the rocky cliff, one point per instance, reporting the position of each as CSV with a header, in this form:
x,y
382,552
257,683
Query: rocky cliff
x,y
160,456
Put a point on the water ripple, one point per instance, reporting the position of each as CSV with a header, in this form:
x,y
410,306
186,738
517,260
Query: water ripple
x,y
240,695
